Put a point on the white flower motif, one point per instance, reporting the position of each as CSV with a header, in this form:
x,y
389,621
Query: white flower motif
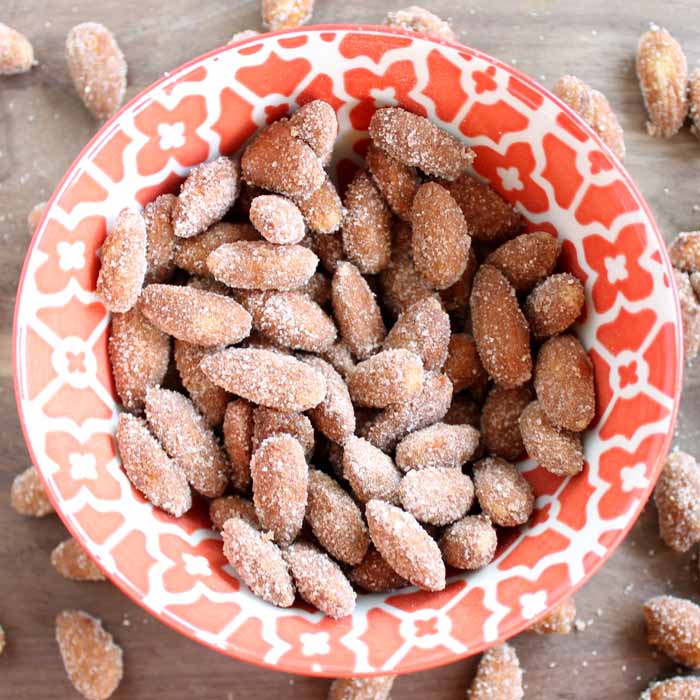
x,y
510,177
171,135
386,97
616,268
314,644
533,604
196,566
82,466
71,256
634,477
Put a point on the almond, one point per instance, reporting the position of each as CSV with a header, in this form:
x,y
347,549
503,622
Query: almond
x,y
684,251
16,53
377,688
499,420
396,181
161,242
503,492
316,124
322,209
554,304
436,495
70,560
419,20
690,314
559,620
498,676
389,377
286,14
374,575
28,496
673,625
469,543
678,688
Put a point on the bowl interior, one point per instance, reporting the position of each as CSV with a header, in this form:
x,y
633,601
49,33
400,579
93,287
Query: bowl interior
x,y
538,155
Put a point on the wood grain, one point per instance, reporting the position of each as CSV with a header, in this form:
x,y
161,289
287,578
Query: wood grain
x,y
42,128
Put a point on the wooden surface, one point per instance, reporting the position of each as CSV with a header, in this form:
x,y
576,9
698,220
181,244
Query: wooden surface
x,y
42,128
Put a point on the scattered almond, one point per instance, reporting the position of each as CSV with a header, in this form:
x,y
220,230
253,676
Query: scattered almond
x,y
70,560
559,620
498,676
16,53
28,496
286,14
678,688
417,19
673,625
684,251
377,688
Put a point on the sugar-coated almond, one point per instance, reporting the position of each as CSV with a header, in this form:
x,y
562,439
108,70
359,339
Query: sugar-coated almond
x,y
690,314
463,365
277,219
678,688
424,329
436,495
440,242
366,228
238,441
322,209
559,620
556,449
97,68
470,543
286,14
389,377
374,575
258,562
662,70
192,253
92,659
149,468
340,357
489,217
526,259
205,196
356,311
268,422
455,299
400,283
280,486
377,688
316,125
34,216
267,378
16,52
195,316
387,428
463,411
564,383
123,266
405,545
319,580
318,288
370,472
415,141
437,446
225,507
328,248
28,496
397,182
70,560
139,354
417,19
673,625
503,493
499,420
335,519
684,251
498,676
554,304
160,238
500,330
694,101
278,161
677,498
188,440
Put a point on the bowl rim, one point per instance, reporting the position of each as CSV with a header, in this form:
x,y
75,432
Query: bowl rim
x,y
369,29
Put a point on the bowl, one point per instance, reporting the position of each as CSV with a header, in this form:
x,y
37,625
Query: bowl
x,y
537,154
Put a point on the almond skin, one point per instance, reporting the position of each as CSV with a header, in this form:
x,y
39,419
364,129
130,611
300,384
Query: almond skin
x,y
673,625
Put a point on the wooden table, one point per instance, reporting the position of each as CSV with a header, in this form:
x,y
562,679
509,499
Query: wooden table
x,y
42,127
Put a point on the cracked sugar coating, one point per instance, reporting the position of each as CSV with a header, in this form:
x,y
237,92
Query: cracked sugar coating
x,y
278,161
673,625
389,377
28,496
417,19
319,580
16,53
366,228
194,315
188,440
557,450
225,507
92,659
498,676
238,439
470,543
679,688
564,383
267,378
280,486
123,265
277,219
205,196
500,330
405,545
161,241
690,314
554,304
139,354
374,575
149,468
370,472
677,499
377,688
258,562
286,14
262,265
71,561
503,493
387,428
526,259
316,124
423,328
356,311
684,251
397,182
322,209
436,495
268,422
463,365
335,519
440,242
97,68
439,445
499,420
415,141
559,620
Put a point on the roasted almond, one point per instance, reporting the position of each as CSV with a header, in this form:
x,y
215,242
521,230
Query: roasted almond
x,y
28,496
389,377
322,209
277,218
238,441
370,472
499,420
225,507
397,182
554,304
463,365
316,124
269,421
71,561
673,625
559,620
436,495
684,251
16,53
503,493
694,100
678,688
690,314
498,676
374,575
419,20
192,253
286,14
161,242
377,688
470,543
437,446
